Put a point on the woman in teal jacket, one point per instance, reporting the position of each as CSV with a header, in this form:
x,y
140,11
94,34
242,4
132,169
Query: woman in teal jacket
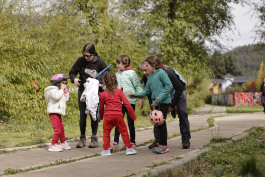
x,y
158,86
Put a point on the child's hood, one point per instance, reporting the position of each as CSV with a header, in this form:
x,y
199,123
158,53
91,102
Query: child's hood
x,y
47,90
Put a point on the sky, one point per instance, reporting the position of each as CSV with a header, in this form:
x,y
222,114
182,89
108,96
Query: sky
x,y
242,32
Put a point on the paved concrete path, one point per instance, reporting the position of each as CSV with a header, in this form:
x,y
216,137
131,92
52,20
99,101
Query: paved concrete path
x,y
121,165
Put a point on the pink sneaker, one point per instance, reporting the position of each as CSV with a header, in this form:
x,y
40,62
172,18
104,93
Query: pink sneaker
x,y
55,148
133,145
65,145
161,149
114,145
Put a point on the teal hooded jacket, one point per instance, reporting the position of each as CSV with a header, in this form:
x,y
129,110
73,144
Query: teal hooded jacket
x,y
158,86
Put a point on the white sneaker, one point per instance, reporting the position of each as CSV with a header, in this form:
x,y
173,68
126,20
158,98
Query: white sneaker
x,y
130,151
55,148
65,145
105,152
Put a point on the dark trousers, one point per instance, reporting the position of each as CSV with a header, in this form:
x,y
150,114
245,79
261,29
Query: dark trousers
x,y
263,102
184,124
130,125
83,116
160,132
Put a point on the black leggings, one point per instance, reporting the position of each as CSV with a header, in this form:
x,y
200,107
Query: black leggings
x,y
161,131
83,116
130,125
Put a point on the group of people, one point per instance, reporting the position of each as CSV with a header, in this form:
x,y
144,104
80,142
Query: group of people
x,y
164,87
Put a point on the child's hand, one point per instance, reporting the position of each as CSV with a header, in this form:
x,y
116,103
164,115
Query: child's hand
x,y
65,91
101,85
156,100
76,81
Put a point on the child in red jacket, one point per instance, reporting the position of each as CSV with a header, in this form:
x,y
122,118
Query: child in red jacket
x,y
113,117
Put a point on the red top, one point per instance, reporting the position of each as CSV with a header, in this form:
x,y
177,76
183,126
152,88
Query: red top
x,y
114,104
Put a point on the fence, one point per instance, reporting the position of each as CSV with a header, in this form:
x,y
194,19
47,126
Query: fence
x,y
238,98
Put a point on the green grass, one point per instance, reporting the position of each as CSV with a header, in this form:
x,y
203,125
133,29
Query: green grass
x,y
245,157
23,135
243,109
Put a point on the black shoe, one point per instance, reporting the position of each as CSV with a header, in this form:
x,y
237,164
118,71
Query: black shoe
x,y
153,145
185,144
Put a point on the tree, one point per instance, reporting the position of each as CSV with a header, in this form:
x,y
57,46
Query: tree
x,y
36,44
231,65
218,65
259,9
176,29
261,76
250,86
248,58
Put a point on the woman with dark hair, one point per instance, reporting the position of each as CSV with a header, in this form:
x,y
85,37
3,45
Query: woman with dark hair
x,y
89,60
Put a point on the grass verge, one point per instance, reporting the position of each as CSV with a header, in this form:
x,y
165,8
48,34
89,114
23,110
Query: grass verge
x,y
243,109
245,157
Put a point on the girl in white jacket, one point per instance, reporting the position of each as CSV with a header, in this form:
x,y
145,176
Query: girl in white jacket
x,y
57,96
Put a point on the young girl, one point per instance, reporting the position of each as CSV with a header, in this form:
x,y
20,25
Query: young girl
x,y
158,86
128,82
113,117
57,96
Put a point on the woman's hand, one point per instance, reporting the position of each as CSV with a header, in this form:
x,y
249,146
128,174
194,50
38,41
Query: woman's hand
x,y
76,81
141,103
156,100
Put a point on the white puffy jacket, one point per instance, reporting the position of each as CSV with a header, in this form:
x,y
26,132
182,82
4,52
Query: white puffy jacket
x,y
56,100
90,96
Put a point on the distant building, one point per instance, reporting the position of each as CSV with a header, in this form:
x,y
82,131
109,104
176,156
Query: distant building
x,y
218,86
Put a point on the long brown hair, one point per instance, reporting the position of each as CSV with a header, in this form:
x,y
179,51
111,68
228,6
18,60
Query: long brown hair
x,y
110,81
